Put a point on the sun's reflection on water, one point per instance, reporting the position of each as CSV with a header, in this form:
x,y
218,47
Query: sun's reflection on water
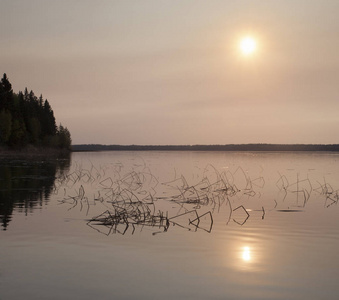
x,y
248,257
246,254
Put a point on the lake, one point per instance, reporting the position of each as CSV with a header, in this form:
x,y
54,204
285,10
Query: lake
x,y
170,225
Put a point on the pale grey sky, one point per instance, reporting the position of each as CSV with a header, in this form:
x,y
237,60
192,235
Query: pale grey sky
x,y
171,72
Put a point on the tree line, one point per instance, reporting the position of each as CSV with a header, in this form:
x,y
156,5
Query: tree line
x,y
26,119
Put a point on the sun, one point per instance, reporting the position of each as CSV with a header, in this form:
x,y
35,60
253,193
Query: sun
x,y
248,45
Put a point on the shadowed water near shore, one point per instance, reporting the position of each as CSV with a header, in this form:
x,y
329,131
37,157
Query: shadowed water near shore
x,y
26,184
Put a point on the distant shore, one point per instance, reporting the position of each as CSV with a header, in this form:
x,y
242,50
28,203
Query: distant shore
x,y
230,147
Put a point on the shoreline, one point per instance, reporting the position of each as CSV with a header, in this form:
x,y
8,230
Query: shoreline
x,y
32,152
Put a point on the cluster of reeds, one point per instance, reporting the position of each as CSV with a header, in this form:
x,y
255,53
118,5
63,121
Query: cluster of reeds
x,y
209,189
216,189
303,189
130,200
121,219
331,195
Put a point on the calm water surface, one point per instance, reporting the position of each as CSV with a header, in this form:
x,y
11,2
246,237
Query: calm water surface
x,y
170,225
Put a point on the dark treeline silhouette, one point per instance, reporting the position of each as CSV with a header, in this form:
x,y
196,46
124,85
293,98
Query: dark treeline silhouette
x,y
26,119
26,185
234,147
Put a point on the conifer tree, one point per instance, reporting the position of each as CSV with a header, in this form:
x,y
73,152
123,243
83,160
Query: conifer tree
x,y
6,93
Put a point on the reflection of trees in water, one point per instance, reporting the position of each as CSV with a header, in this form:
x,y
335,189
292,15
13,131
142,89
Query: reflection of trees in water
x,y
26,185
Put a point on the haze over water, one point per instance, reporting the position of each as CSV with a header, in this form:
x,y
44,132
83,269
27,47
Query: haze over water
x,y
175,72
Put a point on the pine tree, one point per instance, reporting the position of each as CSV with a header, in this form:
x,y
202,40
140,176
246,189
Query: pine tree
x,y
6,93
64,138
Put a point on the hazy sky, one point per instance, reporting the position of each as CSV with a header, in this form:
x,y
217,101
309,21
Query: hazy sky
x,y
171,72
